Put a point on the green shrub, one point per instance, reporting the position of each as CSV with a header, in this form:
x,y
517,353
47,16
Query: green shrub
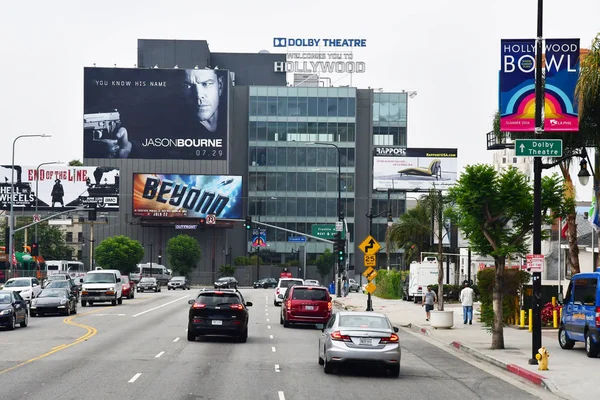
x,y
514,280
389,283
240,260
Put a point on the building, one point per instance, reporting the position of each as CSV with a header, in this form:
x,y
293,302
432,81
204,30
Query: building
x,y
506,157
280,143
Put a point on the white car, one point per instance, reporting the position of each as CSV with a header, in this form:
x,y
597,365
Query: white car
x,y
28,288
282,287
312,282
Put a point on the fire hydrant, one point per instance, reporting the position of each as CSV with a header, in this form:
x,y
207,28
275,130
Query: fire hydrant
x,y
542,357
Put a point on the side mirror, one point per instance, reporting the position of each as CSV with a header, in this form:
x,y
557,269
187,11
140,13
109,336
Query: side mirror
x,y
396,329
118,280
190,302
35,285
561,300
248,304
321,327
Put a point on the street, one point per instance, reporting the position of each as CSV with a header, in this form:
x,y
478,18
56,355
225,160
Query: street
x,y
139,350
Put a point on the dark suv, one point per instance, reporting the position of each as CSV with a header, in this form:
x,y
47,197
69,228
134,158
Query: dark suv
x,y
218,312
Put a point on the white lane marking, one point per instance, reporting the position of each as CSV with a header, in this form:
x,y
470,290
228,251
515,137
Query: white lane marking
x,y
159,354
277,368
267,298
273,349
271,336
135,377
161,306
268,320
106,315
186,329
281,396
175,340
266,313
268,326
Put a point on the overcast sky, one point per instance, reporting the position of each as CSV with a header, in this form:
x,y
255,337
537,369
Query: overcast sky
x,y
447,51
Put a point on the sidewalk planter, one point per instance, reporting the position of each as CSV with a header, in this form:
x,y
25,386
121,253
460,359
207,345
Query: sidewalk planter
x,y
442,319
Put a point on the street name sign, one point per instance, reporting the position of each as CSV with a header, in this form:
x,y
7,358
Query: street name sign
x,y
325,231
538,147
369,245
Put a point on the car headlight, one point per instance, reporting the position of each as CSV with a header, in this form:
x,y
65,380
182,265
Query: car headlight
x,y
63,301
25,290
111,289
33,302
5,312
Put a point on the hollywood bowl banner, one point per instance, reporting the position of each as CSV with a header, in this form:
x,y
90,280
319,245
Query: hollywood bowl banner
x,y
517,85
562,73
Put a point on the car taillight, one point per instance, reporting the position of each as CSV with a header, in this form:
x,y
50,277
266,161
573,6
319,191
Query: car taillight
x,y
277,291
338,336
391,339
236,306
597,317
329,306
196,321
198,305
288,304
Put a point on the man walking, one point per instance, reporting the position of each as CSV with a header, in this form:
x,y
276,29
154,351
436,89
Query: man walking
x,y
466,298
429,299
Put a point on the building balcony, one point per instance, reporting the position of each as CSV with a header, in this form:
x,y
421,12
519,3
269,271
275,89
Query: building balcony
x,y
499,142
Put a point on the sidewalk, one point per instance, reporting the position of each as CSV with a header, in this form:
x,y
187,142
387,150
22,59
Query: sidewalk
x,y
571,373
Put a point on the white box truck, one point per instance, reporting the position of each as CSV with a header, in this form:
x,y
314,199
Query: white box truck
x,y
422,274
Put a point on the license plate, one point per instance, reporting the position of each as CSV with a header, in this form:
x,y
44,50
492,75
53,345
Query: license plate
x,y
96,298
309,307
365,341
217,322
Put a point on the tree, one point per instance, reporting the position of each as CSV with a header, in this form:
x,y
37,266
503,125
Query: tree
x,y
75,163
226,270
324,263
413,232
184,254
495,212
119,252
51,240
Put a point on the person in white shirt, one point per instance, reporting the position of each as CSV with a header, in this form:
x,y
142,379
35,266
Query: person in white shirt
x,y
466,298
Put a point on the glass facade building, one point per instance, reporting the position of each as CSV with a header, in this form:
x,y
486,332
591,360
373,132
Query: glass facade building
x,y
292,172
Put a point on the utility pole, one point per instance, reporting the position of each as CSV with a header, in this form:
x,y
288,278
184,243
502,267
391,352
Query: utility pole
x,y
91,239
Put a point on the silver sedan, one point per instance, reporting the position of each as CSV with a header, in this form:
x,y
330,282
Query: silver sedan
x,y
360,337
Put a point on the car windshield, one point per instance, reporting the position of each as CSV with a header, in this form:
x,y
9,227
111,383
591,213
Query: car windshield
x,y
124,279
58,284
5,298
310,294
57,278
17,283
216,299
147,280
52,293
222,279
103,277
363,321
178,278
286,283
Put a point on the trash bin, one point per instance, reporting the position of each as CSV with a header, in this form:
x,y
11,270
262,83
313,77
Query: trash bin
x,y
332,288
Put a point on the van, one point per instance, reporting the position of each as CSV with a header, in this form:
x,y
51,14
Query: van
x,y
580,320
282,287
102,286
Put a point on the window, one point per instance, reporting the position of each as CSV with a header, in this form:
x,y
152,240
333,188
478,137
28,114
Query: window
x,y
585,291
272,106
503,160
282,106
310,294
261,105
313,106
514,160
69,237
351,107
291,181
342,106
79,237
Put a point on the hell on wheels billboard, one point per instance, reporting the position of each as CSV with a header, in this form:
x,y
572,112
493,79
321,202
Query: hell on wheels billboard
x,y
414,168
187,196
59,187
155,113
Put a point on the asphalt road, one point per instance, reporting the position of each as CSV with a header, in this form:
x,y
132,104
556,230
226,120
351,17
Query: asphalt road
x,y
139,350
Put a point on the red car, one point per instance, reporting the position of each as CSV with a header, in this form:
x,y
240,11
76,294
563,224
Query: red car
x,y
128,287
305,305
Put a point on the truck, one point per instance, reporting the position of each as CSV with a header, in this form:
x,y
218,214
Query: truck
x,y
421,275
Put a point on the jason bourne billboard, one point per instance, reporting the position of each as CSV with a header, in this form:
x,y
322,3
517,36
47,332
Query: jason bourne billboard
x,y
59,188
408,169
187,196
155,114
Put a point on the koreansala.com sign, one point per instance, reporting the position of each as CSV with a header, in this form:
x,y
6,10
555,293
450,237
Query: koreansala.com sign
x,y
326,56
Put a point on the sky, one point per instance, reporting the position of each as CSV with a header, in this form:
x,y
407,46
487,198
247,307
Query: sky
x,y
446,51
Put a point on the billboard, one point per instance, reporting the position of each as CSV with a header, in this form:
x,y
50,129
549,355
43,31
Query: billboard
x,y
59,188
187,196
401,168
155,113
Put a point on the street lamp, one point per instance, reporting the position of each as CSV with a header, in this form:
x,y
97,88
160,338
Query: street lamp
x,y
37,195
258,212
11,225
339,206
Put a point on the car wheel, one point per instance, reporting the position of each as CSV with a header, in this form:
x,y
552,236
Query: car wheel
x,y
281,318
67,311
114,301
25,321
563,339
191,335
91,303
321,361
395,371
132,294
591,349
75,309
327,366
13,322
274,303
286,324
120,301
33,314
243,338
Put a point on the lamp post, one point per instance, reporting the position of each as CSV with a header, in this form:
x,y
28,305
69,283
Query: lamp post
x,y
339,209
37,194
11,224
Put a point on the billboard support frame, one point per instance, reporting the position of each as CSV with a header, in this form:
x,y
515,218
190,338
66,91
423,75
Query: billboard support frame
x,y
47,218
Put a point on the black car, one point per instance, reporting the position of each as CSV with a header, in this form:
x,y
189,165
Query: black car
x,y
54,301
227,282
13,310
66,284
265,283
216,312
148,283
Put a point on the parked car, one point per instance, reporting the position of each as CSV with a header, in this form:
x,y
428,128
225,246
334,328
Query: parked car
x,y
178,282
265,283
305,305
60,276
282,287
218,312
28,288
353,286
312,282
128,287
148,283
360,337
227,282
54,301
13,310
65,284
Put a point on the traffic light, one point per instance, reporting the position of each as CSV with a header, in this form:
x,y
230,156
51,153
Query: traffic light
x,y
202,222
92,212
35,251
248,223
341,251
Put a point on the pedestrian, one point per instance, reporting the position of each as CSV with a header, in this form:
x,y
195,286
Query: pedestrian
x,y
429,299
345,286
466,298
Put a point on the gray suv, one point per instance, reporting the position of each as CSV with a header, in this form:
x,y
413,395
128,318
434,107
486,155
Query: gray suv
x,y
178,282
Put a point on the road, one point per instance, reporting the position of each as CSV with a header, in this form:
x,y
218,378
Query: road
x,y
139,350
